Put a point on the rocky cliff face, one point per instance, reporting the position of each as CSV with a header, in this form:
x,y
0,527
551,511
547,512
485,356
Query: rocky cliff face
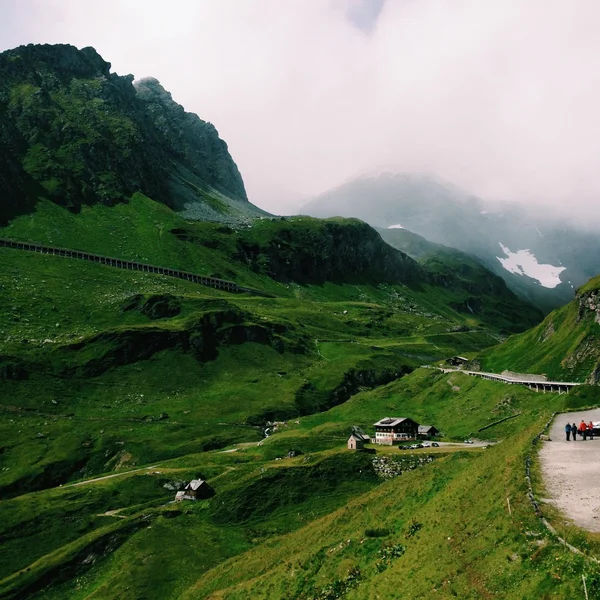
x,y
589,348
193,141
307,250
74,132
589,302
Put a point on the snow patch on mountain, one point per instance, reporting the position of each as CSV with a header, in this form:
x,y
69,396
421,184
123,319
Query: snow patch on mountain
x,y
396,226
523,262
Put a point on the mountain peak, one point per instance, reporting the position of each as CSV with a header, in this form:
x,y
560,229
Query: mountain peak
x,y
150,86
63,59
78,134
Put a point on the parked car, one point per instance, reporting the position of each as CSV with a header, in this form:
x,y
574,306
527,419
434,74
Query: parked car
x,y
468,441
425,445
435,445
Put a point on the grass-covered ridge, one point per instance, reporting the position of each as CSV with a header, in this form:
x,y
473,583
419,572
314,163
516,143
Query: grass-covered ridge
x,y
476,289
565,346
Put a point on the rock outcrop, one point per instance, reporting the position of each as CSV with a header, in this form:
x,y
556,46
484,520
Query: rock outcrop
x,y
73,132
589,302
193,141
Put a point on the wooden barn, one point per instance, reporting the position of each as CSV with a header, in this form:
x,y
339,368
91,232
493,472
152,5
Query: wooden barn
x,y
427,431
197,489
393,430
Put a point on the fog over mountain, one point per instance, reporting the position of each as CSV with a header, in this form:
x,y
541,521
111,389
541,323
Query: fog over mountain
x,y
499,97
542,257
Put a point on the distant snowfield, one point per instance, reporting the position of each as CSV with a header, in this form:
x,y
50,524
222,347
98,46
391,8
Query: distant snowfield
x,y
395,227
523,262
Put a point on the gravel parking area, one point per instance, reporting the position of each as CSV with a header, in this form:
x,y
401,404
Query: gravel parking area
x,y
571,471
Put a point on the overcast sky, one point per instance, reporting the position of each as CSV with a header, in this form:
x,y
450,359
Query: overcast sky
x,y
500,97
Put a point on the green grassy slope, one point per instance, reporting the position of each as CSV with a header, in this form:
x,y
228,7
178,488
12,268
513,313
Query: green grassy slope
x,y
104,371
475,288
94,357
445,532
298,527
565,346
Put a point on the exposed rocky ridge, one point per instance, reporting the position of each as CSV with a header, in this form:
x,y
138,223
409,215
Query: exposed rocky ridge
x,y
589,348
78,134
194,141
589,302
306,250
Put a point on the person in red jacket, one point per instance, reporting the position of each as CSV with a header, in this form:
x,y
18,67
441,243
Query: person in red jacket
x,y
590,430
583,429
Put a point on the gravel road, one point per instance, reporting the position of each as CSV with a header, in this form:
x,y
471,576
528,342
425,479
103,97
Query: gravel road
x,y
571,471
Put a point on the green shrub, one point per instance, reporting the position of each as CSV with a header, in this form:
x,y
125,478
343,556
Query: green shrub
x,y
375,532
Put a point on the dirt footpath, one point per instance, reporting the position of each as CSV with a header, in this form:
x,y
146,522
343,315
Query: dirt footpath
x,y
571,471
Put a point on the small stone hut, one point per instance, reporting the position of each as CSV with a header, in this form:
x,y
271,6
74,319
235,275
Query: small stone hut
x,y
355,442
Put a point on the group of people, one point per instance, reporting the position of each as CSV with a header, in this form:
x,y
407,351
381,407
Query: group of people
x,y
584,430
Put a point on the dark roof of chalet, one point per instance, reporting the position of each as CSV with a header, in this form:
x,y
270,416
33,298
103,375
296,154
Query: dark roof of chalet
x,y
423,428
195,484
391,421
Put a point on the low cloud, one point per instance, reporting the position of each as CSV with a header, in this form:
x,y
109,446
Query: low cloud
x,y
500,97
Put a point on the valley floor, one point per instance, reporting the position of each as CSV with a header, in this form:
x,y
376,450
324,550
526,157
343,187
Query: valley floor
x,y
570,471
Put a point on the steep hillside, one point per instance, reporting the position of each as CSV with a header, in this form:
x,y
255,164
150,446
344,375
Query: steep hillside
x,y
478,290
78,134
542,258
565,346
292,249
